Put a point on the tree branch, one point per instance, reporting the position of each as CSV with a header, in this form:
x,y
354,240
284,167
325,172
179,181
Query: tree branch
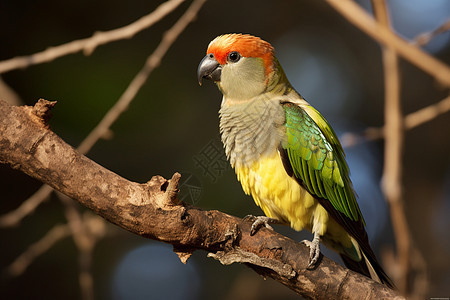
x,y
410,121
362,20
152,210
393,150
21,263
138,81
392,170
85,239
88,45
425,38
14,217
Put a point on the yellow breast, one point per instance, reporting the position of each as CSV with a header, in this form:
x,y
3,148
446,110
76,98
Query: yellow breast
x,y
280,196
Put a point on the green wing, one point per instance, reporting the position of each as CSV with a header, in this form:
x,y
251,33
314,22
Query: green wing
x,y
317,159
313,155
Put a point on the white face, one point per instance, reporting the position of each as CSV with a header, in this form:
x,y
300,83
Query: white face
x,y
243,80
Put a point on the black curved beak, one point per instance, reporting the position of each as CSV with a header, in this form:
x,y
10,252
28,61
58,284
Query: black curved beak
x,y
209,68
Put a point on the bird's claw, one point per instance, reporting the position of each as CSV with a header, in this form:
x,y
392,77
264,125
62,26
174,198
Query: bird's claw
x,y
314,250
259,221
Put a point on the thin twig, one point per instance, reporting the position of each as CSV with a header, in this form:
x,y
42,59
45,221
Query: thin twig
x,y
393,149
85,243
362,20
88,45
153,61
14,217
85,277
8,94
410,121
427,114
80,234
392,170
424,38
83,240
138,81
55,234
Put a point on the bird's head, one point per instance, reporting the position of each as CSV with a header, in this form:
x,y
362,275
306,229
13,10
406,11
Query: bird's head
x,y
241,65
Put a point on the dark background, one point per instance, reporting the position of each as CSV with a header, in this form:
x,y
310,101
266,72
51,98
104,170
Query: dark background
x,y
172,121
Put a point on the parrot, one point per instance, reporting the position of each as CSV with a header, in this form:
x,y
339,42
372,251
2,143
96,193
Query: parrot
x,y
284,152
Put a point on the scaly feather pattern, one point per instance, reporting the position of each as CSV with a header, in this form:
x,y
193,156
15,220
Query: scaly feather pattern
x,y
320,164
314,156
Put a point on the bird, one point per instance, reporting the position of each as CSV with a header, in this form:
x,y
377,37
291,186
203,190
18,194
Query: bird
x,y
285,153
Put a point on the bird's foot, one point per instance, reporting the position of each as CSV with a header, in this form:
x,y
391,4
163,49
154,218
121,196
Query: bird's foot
x,y
314,250
259,221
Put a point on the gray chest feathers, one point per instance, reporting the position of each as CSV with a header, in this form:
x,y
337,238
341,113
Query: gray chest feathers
x,y
251,130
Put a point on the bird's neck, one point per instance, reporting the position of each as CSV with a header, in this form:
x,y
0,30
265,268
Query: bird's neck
x,y
277,82
251,129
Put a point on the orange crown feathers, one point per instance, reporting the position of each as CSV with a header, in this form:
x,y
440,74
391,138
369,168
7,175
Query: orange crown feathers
x,y
247,45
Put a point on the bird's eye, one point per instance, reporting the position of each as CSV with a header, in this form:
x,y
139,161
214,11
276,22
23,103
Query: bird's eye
x,y
234,56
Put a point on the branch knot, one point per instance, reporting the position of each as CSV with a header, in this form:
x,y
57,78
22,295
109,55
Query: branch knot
x,y
41,112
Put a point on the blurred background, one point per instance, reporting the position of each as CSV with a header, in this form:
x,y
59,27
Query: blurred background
x,y
172,125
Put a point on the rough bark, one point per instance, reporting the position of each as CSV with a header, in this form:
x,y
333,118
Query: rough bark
x,y
152,210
